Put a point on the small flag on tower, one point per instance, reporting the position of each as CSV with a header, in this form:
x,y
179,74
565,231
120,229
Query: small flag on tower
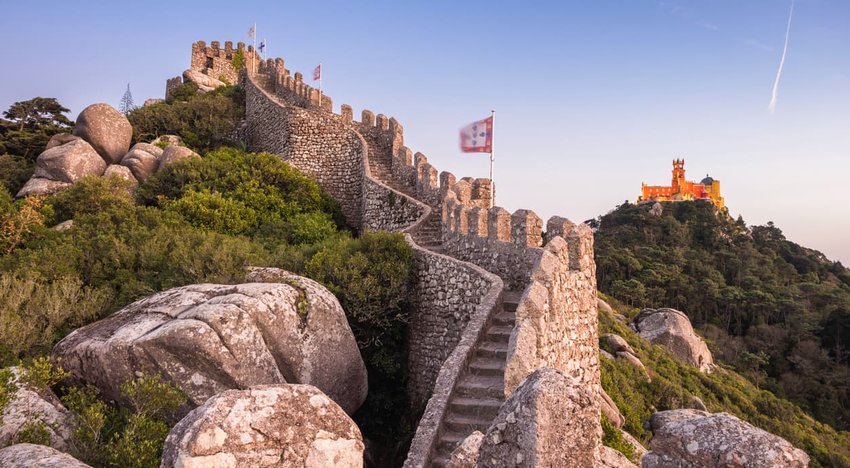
x,y
262,46
251,31
317,72
477,137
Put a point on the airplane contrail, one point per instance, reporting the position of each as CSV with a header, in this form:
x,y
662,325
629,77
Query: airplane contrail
x,y
772,106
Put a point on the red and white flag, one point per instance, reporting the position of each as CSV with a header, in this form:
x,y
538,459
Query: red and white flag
x,y
317,72
477,137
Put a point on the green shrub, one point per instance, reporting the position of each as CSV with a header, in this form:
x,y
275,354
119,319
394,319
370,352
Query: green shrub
x,y
91,195
371,278
235,192
33,431
105,436
204,121
238,60
14,172
33,311
612,437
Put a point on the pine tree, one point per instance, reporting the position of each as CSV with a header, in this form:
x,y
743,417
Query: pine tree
x,y
127,104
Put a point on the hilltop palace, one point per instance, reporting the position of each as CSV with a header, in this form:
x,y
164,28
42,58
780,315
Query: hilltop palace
x,y
682,189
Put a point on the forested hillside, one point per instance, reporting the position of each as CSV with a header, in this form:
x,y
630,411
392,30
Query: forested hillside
x,y
777,312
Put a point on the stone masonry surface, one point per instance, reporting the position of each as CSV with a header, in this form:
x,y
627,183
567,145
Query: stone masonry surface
x,y
466,253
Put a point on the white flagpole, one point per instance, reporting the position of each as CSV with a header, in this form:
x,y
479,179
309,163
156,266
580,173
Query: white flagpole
x,y
321,72
254,38
492,158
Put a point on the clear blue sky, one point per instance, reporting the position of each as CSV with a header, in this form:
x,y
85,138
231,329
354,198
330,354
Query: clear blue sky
x,y
592,97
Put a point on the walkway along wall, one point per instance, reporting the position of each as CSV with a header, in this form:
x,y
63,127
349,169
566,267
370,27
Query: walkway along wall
x,y
485,250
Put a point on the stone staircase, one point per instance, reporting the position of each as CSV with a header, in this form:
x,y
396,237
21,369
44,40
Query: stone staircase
x,y
480,389
479,392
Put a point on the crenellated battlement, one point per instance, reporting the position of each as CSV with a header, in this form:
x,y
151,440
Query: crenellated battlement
x,y
467,254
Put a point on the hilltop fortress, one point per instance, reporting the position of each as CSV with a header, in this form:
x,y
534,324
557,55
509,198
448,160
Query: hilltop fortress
x,y
681,189
495,297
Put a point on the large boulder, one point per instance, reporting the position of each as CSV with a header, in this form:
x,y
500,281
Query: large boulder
x,y
69,162
40,186
611,458
268,425
609,410
60,139
550,420
691,438
208,338
108,131
122,172
174,153
142,160
205,83
28,406
32,456
618,343
671,329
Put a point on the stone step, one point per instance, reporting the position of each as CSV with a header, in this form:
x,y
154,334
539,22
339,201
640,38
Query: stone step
x,y
504,319
486,366
483,407
492,350
449,440
499,333
440,461
481,386
466,423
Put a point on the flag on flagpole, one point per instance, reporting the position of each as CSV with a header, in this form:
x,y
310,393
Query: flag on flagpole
x,y
317,72
477,137
251,32
262,46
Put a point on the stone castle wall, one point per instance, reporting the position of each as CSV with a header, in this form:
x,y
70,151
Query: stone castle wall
x,y
489,249
327,147
216,62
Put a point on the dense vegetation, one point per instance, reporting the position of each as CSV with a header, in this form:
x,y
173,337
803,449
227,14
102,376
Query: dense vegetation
x,y
198,220
673,384
204,121
779,313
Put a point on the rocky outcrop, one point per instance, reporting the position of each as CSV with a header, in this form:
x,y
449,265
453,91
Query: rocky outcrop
x,y
69,162
209,338
122,172
32,455
39,186
142,160
29,406
609,410
106,129
671,329
270,425
534,424
611,458
618,343
691,438
465,455
174,153
205,83
60,139
639,449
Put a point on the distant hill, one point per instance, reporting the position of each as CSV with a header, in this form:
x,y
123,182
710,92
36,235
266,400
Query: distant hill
x,y
779,313
673,385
